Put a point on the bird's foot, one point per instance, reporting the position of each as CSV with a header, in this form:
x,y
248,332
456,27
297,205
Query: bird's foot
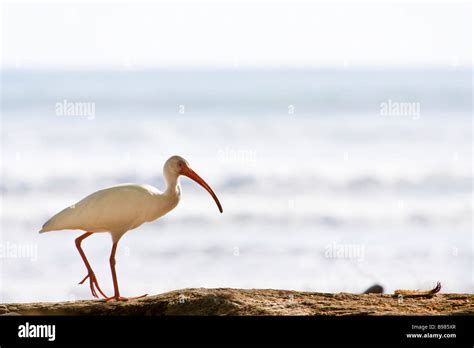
x,y
121,298
94,284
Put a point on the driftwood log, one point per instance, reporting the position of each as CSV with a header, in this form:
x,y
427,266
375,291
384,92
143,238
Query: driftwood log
x,y
256,302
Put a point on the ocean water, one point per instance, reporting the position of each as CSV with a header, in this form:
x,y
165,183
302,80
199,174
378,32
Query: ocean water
x,y
331,180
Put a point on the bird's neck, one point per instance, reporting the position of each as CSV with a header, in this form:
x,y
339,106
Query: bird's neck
x,y
173,187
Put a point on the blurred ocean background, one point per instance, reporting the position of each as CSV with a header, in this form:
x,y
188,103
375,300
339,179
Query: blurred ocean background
x,y
322,189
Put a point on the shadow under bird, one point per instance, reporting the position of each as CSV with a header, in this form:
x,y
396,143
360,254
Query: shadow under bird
x,y
119,209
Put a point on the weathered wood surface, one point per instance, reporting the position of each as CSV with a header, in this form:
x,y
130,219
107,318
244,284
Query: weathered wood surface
x,y
255,302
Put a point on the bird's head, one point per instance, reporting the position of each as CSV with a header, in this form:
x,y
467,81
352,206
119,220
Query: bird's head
x,y
177,165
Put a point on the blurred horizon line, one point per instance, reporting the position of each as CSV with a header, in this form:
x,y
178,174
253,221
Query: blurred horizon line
x,y
208,68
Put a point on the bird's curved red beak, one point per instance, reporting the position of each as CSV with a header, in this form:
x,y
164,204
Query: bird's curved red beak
x,y
186,171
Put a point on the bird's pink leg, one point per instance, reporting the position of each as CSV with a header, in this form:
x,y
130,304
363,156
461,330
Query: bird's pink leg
x,y
90,273
117,296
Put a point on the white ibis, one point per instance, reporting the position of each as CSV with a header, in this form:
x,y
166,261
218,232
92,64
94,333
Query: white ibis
x,y
119,209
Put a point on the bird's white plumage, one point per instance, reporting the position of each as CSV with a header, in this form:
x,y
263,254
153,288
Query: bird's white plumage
x,y
121,208
116,209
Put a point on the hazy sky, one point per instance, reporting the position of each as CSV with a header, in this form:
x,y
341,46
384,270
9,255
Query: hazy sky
x,y
227,34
